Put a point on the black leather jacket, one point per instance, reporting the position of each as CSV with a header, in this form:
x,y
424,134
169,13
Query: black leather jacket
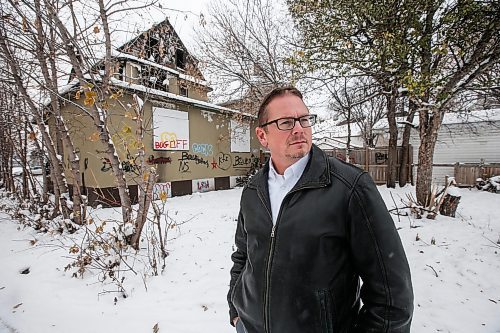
x,y
303,274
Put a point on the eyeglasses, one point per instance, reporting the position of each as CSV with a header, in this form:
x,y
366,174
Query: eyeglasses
x,y
286,124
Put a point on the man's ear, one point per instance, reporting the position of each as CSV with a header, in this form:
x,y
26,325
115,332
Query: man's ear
x,y
261,135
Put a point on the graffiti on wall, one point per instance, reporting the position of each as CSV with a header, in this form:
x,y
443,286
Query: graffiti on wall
x,y
224,161
203,185
159,160
186,158
169,141
106,164
129,165
205,149
241,181
193,157
161,190
380,158
242,162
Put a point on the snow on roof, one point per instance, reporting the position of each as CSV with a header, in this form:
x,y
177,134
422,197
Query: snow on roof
x,y
335,143
61,91
190,78
450,118
157,92
137,87
330,127
472,117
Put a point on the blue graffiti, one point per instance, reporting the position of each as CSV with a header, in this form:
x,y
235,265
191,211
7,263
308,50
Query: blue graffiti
x,y
203,148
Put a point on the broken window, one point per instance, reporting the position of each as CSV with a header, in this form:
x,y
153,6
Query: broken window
x,y
180,59
183,90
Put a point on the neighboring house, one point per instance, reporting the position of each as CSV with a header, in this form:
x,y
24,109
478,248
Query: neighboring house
x,y
328,135
195,145
471,137
246,98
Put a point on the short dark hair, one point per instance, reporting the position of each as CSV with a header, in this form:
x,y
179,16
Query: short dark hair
x,y
276,92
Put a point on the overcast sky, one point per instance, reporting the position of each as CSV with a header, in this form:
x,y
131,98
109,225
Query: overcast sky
x,y
184,15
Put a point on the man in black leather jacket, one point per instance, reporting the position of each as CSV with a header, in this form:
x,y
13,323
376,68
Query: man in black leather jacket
x,y
304,243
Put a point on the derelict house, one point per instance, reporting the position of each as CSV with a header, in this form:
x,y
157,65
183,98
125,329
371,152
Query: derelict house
x,y
195,145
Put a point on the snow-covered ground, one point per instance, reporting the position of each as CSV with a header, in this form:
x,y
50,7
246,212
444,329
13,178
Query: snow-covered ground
x,y
456,280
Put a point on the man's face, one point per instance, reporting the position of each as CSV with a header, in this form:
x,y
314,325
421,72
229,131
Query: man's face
x,y
286,147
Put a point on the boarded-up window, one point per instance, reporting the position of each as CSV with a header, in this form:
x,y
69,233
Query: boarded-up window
x,y
170,129
240,137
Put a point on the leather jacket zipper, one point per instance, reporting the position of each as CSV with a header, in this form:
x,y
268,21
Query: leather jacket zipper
x,y
267,307
268,281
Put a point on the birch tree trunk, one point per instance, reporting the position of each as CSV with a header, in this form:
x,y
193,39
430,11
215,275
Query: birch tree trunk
x,y
57,171
51,82
97,113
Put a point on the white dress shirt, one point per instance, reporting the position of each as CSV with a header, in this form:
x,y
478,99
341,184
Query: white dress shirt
x,y
280,185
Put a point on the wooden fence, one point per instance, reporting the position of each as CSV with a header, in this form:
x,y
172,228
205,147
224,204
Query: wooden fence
x,y
374,160
467,173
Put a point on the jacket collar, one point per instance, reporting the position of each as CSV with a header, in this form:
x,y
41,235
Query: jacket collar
x,y
316,173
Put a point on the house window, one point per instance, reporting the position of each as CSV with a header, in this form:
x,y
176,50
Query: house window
x,y
240,136
180,59
121,71
152,49
170,129
183,90
135,70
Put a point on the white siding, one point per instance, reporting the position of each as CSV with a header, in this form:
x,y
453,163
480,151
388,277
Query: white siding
x,y
464,143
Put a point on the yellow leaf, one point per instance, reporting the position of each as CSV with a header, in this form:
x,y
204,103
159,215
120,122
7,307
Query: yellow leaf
x,y
163,196
117,94
89,101
145,176
99,229
126,129
77,94
90,94
32,136
74,249
96,29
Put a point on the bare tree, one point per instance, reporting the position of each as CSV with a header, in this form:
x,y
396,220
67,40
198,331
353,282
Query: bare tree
x,y
243,47
455,49
13,61
359,102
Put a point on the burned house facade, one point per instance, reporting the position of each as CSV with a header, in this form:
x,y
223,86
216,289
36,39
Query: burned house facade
x,y
195,145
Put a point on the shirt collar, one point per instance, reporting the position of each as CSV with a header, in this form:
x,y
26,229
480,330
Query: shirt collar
x,y
294,170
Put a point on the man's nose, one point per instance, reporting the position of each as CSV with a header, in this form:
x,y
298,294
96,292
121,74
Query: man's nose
x,y
297,127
